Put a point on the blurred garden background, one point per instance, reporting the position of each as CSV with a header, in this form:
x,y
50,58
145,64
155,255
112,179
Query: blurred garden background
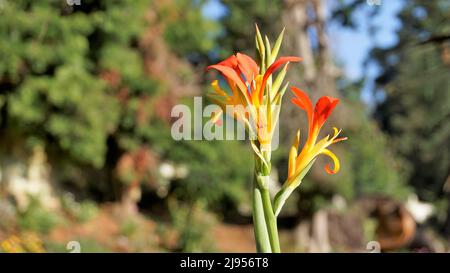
x,y
86,154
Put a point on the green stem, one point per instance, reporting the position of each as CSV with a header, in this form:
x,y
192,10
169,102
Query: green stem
x,y
259,223
264,219
271,221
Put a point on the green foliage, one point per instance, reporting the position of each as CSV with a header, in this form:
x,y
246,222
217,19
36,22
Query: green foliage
x,y
187,31
37,218
128,227
373,168
217,174
82,211
74,80
192,223
74,119
239,23
50,70
414,79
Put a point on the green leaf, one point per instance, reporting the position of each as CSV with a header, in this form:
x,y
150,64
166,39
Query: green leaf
x,y
261,49
279,95
279,80
269,59
276,47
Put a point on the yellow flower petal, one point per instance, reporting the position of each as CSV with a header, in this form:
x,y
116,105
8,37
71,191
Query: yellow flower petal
x,y
215,85
293,155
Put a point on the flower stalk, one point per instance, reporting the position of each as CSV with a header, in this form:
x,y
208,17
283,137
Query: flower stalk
x,y
259,222
261,188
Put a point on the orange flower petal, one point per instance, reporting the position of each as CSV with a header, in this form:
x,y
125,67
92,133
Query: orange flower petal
x,y
232,75
231,61
247,66
302,100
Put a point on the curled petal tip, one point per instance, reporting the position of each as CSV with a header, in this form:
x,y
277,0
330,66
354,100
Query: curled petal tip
x,y
335,162
329,170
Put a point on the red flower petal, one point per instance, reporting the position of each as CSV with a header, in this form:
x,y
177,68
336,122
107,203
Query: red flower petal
x,y
323,109
272,69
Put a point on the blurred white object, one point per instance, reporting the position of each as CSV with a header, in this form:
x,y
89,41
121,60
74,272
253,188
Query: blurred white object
x,y
181,171
339,202
32,180
421,211
167,170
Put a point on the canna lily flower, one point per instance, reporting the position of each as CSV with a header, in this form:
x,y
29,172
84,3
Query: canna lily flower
x,y
249,88
300,163
312,147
